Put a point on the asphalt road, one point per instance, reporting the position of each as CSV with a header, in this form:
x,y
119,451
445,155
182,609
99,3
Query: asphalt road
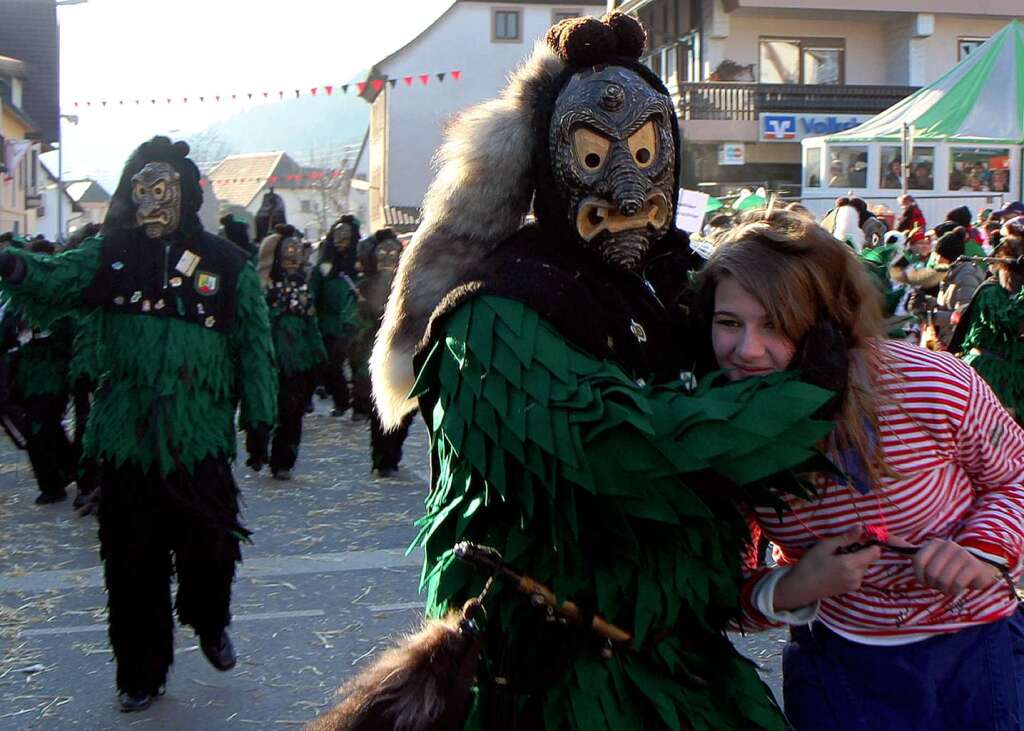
x,y
325,584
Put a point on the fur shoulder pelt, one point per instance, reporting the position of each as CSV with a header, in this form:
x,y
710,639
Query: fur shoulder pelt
x,y
480,197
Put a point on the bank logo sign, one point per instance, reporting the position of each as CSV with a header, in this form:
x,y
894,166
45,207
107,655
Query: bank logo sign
x,y
794,127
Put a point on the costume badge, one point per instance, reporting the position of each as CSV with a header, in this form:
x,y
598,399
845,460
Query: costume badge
x,y
638,331
325,268
159,305
200,310
117,266
187,263
119,300
210,321
176,281
146,306
136,296
207,283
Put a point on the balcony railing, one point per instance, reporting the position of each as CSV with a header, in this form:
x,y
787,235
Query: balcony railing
x,y
745,101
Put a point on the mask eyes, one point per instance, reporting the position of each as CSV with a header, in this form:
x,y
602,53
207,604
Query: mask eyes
x,y
643,144
140,190
159,189
591,148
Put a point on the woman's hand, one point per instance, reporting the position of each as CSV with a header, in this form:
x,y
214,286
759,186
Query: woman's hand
x,y
823,572
948,567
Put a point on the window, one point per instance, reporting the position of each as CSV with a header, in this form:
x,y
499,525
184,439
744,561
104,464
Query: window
x,y
922,166
557,16
965,46
812,167
848,167
505,26
979,169
802,60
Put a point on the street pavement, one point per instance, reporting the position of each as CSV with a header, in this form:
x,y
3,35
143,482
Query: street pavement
x,y
325,585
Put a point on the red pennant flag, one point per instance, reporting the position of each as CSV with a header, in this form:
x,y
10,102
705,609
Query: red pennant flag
x,y
440,77
202,183
424,79
202,99
313,91
328,89
273,178
336,173
76,105
235,96
296,93
152,101
136,102
103,103
344,88
88,104
266,94
392,82
361,86
378,84
456,75
407,80
280,95
217,97
185,99
168,100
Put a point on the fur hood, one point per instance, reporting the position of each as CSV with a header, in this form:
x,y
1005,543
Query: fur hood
x,y
480,197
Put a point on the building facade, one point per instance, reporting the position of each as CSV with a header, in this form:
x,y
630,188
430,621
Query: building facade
x,y
751,78
483,42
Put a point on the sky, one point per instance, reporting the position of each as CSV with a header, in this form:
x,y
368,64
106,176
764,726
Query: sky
x,y
114,49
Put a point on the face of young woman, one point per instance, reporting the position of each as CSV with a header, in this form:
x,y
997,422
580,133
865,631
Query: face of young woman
x,y
745,342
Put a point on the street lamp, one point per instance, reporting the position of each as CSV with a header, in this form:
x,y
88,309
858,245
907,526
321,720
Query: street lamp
x,y
73,118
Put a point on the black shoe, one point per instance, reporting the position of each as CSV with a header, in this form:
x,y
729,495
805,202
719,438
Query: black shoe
x,y
387,471
45,498
321,392
133,703
81,500
309,408
281,474
220,651
338,412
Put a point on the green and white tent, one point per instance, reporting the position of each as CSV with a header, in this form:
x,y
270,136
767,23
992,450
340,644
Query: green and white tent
x,y
967,129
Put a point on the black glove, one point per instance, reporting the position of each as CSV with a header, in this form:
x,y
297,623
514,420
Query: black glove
x,y
919,303
11,268
257,443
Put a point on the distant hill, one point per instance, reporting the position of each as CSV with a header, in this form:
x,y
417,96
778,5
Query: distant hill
x,y
313,130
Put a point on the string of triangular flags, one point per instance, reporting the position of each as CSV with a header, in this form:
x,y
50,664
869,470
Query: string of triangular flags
x,y
359,87
309,176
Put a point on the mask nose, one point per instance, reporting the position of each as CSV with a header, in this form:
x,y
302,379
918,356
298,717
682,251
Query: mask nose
x,y
630,207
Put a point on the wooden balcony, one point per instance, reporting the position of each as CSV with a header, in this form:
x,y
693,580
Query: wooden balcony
x,y
745,101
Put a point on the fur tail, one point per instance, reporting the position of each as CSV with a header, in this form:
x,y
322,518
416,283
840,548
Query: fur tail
x,y
422,684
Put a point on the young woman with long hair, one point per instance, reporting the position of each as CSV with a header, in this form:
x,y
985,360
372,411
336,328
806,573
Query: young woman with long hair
x,y
896,580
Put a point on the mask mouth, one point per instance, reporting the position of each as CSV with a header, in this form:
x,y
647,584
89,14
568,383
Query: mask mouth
x,y
597,214
162,218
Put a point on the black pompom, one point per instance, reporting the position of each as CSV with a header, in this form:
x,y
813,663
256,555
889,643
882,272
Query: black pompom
x,y
587,41
630,33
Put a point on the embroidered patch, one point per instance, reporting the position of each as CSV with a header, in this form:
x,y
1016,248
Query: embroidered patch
x,y
176,281
159,305
146,307
209,322
136,296
200,309
187,263
117,266
206,283
119,300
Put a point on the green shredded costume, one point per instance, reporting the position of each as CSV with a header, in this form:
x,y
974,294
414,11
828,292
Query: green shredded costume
x,y
989,339
337,309
177,385
578,476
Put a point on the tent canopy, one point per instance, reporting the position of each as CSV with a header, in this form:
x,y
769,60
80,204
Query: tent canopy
x,y
978,101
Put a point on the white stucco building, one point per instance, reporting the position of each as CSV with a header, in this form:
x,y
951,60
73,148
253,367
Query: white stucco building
x,y
483,42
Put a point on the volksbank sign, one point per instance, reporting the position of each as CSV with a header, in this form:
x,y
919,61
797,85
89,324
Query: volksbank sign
x,y
794,127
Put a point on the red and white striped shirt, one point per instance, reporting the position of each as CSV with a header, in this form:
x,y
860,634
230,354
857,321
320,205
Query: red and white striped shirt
x,y
959,457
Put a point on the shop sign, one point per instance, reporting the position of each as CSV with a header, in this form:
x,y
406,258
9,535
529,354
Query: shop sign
x,y
794,127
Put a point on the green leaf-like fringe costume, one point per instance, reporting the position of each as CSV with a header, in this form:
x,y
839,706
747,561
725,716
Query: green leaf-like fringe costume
x,y
992,343
590,484
297,342
337,309
41,366
168,395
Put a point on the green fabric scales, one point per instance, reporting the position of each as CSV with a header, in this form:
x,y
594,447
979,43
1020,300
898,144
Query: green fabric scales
x,y
337,309
168,394
575,473
297,342
993,345
41,367
85,361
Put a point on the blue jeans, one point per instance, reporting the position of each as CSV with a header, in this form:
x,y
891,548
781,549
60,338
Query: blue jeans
x,y
965,681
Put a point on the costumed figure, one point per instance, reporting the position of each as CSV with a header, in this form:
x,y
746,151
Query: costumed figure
x,y
379,255
41,389
271,213
337,310
545,361
297,346
990,333
237,232
878,261
184,340
960,278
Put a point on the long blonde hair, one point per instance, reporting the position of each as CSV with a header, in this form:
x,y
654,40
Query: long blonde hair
x,y
802,275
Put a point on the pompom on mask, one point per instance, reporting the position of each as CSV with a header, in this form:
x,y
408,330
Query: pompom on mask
x,y
612,154
156,193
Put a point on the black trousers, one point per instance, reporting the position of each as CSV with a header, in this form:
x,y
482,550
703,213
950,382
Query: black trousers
x,y
49,450
333,374
386,447
293,393
150,528
88,470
